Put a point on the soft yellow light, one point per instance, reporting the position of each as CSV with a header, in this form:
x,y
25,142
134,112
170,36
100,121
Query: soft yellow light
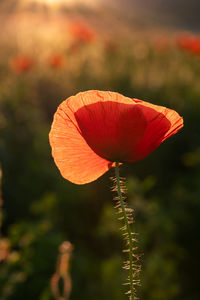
x,y
90,3
68,2
52,2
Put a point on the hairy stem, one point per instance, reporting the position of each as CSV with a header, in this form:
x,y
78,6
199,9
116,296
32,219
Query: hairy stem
x,y
128,232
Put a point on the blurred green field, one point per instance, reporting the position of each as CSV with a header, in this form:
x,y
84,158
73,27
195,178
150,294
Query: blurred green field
x,y
44,59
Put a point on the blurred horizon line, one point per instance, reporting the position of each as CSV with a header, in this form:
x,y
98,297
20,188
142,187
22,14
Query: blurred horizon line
x,y
158,13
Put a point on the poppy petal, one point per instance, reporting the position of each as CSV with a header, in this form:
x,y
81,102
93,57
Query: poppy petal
x,y
162,123
109,122
111,129
76,161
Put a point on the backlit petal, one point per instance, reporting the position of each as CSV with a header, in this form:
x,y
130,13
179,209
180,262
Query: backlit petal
x,y
76,161
162,123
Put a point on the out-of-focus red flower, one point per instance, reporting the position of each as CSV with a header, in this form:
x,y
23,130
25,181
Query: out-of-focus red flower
x,y
82,32
195,45
56,61
21,63
189,43
94,129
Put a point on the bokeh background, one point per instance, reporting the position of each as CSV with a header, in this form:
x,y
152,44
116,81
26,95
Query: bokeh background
x,y
50,50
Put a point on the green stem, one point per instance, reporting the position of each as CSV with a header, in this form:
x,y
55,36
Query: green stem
x,y
128,231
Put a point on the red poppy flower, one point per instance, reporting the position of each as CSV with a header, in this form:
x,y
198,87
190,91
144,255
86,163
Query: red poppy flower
x,y
56,61
82,32
189,43
195,46
94,129
21,64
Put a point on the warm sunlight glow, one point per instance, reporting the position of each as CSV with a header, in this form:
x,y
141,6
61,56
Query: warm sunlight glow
x,y
55,1
67,2
90,3
51,1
